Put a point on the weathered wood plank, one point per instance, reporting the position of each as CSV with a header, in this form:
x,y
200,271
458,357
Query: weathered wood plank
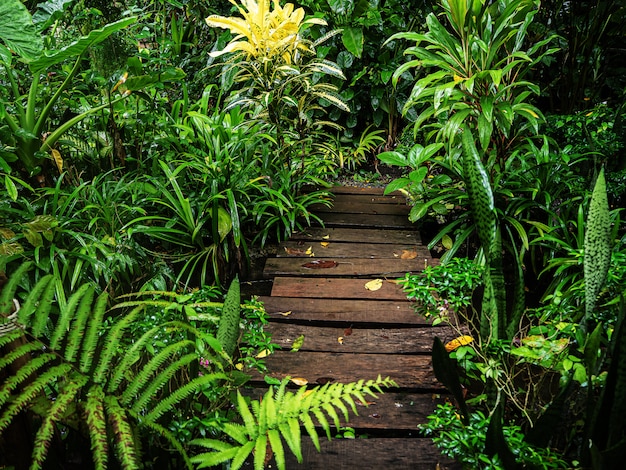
x,y
334,249
355,339
346,206
316,267
371,454
367,191
361,235
393,410
408,371
338,310
399,200
367,221
330,288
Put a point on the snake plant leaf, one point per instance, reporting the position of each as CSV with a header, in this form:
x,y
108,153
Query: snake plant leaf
x,y
597,244
479,191
78,47
446,372
17,30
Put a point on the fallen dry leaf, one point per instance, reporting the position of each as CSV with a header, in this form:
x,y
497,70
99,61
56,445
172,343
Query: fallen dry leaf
x,y
347,331
340,340
264,353
239,366
408,254
374,284
309,251
458,342
326,237
295,251
297,343
285,314
299,381
324,244
320,264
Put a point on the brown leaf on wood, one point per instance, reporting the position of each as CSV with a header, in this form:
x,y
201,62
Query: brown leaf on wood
x,y
320,264
407,254
347,331
295,251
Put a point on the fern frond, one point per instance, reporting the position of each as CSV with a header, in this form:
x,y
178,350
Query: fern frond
x,y
38,302
124,442
8,291
10,337
161,380
18,352
54,414
31,391
260,450
161,431
90,342
96,426
225,452
150,368
65,317
27,370
77,331
244,411
309,426
111,344
277,448
236,432
181,393
242,454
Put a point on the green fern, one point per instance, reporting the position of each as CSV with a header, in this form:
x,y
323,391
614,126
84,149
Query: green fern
x,y
70,369
279,416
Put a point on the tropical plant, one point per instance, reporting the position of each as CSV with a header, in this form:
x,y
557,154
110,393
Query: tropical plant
x,y
278,415
68,368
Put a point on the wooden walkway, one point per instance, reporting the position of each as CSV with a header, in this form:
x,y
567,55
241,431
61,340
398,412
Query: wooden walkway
x,y
352,333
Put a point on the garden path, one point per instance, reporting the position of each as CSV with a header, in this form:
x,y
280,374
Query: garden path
x,y
352,333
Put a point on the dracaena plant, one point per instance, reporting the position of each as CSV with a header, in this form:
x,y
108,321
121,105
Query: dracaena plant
x,y
280,73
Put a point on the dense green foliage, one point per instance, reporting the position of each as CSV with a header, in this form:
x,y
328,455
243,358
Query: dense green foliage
x,y
148,147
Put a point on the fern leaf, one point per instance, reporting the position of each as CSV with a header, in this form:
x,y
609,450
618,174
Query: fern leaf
x,y
260,451
26,371
90,343
290,430
248,419
39,305
10,337
181,393
123,435
150,368
212,459
65,317
18,352
236,432
31,391
310,429
242,454
54,414
77,330
338,403
96,425
330,411
111,343
277,448
160,381
228,328
8,291
321,419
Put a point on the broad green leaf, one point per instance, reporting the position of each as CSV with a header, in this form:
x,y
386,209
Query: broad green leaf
x,y
142,81
17,30
78,47
10,187
353,40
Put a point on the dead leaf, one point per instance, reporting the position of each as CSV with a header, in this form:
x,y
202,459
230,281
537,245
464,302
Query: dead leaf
x,y
295,251
340,340
407,254
264,353
300,381
396,255
285,314
374,284
320,264
58,159
309,251
324,244
458,342
326,237
347,331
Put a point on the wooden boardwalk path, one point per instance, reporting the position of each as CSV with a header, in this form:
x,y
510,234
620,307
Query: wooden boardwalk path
x,y
352,333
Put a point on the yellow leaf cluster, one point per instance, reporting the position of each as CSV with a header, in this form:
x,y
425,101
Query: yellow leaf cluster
x,y
262,33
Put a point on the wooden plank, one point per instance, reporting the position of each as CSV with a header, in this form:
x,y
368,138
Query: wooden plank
x,y
367,221
333,249
408,371
346,206
370,199
361,235
392,411
330,288
326,267
346,311
356,339
359,190
369,454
